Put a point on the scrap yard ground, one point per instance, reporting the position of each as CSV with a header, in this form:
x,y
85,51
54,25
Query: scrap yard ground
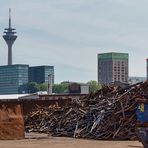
x,y
42,141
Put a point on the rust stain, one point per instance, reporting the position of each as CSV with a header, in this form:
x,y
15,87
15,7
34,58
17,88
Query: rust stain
x,y
11,121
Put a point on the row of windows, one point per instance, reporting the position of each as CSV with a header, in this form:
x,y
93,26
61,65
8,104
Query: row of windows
x,y
12,79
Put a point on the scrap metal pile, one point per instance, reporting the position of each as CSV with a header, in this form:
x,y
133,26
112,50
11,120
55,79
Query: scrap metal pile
x,y
107,114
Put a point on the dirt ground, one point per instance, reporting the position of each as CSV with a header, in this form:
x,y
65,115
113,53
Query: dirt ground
x,y
42,141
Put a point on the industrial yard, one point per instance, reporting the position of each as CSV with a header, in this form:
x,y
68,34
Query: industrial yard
x,y
56,93
106,118
42,141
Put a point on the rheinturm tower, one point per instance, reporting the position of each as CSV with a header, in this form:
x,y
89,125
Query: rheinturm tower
x,y
9,36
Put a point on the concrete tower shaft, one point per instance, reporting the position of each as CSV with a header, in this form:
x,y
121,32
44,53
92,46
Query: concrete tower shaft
x,y
9,36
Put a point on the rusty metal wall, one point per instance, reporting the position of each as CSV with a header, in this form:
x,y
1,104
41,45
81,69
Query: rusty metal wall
x,y
11,120
30,105
47,100
12,112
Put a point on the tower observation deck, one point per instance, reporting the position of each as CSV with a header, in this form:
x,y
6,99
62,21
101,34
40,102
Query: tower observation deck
x,y
9,36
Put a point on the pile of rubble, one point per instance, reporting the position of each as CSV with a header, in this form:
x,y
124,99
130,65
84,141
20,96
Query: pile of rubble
x,y
107,114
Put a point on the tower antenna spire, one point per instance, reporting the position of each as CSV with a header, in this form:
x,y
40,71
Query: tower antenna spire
x,y
9,17
9,36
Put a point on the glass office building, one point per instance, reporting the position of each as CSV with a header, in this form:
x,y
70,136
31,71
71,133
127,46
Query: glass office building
x,y
39,74
13,79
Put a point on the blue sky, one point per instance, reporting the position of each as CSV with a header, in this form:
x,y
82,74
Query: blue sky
x,y
69,33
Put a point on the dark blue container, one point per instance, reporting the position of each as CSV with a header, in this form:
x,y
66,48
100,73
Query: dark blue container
x,y
142,112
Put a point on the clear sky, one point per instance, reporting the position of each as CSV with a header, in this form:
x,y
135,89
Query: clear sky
x,y
68,34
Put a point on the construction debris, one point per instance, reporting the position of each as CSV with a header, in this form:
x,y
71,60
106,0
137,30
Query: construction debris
x,y
107,114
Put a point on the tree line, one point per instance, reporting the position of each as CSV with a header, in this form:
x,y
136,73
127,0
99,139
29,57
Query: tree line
x,y
62,87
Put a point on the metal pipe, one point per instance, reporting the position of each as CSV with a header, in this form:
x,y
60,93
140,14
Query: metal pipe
x,y
50,84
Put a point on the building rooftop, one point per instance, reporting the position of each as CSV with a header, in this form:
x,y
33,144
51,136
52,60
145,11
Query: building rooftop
x,y
113,56
14,65
12,96
41,66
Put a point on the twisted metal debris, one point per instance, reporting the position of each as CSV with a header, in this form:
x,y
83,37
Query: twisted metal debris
x,y
107,114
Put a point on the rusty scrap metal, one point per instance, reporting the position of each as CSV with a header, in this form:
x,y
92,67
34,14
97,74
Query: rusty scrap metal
x,y
107,114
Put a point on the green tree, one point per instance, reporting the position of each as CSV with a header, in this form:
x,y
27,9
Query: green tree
x,y
43,87
94,86
33,87
60,88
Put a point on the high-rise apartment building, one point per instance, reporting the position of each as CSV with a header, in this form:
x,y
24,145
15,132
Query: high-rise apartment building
x,y
112,67
39,74
13,79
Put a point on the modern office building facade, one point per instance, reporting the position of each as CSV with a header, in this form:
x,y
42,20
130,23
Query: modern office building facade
x,y
39,74
13,79
112,67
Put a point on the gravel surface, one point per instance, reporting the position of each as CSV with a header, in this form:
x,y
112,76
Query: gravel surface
x,y
42,141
